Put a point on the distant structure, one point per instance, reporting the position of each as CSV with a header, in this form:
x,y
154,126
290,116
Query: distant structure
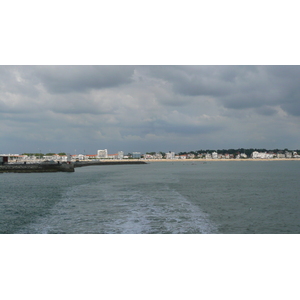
x,y
136,155
120,155
262,155
214,155
3,160
170,155
102,153
68,158
208,156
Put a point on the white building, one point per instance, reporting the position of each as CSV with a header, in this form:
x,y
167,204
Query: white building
x,y
262,155
158,156
296,155
82,157
170,155
120,155
214,155
102,153
288,154
208,156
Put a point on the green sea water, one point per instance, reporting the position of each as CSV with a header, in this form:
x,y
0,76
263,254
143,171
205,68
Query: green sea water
x,y
156,198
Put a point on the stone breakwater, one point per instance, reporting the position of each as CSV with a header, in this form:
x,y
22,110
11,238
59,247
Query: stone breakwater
x,y
107,162
36,168
43,167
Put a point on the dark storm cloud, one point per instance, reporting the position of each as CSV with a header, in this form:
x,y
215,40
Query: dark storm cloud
x,y
205,80
236,87
162,127
286,79
266,111
67,79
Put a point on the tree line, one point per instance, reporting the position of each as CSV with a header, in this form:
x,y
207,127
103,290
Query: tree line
x,y
247,151
42,154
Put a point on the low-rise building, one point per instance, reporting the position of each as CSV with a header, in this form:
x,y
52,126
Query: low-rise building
x,y
170,155
120,155
208,156
102,153
136,155
288,154
158,156
296,155
262,155
214,155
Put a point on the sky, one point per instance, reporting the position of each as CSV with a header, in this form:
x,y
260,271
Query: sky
x,y
148,108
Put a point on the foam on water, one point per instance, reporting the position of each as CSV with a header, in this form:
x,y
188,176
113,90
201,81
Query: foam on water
x,y
96,208
162,211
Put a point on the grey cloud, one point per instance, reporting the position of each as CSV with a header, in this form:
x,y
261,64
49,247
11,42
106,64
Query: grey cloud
x,y
161,127
188,129
266,111
13,81
79,104
205,80
292,108
122,105
236,87
66,79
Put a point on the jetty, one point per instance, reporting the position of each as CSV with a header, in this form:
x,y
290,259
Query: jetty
x,y
36,168
108,162
58,167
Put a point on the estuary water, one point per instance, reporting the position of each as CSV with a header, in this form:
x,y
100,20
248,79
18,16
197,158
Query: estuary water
x,y
156,198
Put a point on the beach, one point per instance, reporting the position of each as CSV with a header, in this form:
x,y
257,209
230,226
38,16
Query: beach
x,y
218,160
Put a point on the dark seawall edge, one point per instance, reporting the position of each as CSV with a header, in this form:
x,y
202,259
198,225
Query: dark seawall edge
x,y
100,163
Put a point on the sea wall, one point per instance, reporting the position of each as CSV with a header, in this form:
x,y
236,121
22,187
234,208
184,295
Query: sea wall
x,y
107,162
36,168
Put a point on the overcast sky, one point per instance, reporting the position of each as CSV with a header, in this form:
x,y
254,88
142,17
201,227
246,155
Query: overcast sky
x,y
80,109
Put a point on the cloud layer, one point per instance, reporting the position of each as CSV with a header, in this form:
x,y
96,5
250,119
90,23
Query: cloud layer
x,y
148,108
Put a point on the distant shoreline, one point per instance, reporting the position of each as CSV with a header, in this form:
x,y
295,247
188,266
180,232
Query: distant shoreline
x,y
218,160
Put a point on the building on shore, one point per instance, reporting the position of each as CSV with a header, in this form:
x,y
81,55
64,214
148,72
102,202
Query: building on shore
x,y
136,155
288,154
102,153
262,155
170,155
208,156
120,154
214,155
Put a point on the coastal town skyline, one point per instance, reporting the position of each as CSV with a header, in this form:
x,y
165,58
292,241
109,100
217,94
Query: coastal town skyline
x,y
240,153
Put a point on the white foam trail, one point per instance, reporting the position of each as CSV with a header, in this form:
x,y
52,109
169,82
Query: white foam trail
x,y
162,211
105,208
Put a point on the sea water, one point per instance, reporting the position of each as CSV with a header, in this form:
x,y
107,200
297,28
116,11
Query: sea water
x,y
183,197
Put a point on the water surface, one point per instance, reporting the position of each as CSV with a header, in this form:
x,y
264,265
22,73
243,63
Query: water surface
x,y
160,197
